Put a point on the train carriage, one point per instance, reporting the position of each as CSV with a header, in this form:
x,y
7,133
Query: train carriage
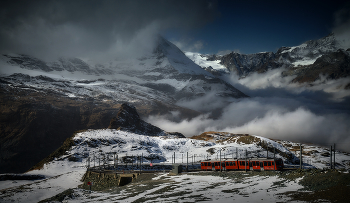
x,y
259,164
231,164
206,165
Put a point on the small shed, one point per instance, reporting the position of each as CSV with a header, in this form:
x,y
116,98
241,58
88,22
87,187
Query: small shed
x,y
177,168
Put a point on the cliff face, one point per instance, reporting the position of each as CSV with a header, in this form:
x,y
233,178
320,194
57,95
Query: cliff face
x,y
34,125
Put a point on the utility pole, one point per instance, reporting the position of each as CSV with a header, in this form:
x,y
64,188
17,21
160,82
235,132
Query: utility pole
x,y
331,155
220,162
267,151
301,157
245,165
114,161
187,163
334,156
274,159
174,157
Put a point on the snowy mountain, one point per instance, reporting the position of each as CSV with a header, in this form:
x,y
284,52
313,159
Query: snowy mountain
x,y
313,57
45,102
166,75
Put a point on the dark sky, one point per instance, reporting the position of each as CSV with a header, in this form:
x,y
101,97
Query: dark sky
x,y
257,26
104,29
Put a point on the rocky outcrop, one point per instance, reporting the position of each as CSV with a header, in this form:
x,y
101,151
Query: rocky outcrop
x,y
128,119
333,66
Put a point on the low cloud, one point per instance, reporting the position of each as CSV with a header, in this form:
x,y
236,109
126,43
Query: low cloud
x,y
275,109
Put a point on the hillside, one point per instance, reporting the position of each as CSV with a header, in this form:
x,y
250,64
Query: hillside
x,y
65,171
60,173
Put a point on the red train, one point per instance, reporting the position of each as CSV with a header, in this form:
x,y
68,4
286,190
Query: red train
x,y
260,164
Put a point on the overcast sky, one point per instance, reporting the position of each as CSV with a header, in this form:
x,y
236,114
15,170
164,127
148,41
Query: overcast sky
x,y
49,29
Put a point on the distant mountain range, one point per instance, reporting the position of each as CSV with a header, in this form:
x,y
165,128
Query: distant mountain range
x,y
326,56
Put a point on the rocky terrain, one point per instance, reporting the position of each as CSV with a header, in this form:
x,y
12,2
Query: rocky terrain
x,y
306,62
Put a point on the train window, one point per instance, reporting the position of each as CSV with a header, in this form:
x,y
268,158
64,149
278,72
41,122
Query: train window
x,y
269,163
265,163
216,163
202,164
234,163
273,163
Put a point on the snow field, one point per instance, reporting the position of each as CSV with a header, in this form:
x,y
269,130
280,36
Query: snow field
x,y
196,188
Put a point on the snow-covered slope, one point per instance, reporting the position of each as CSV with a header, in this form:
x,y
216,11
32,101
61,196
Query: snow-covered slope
x,y
166,75
209,63
66,171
